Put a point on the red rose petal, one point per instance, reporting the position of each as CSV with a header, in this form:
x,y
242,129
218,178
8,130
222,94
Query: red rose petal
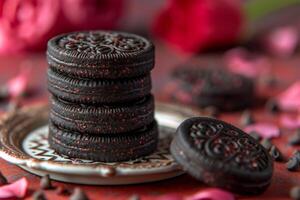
x,y
265,130
17,189
192,26
289,100
212,194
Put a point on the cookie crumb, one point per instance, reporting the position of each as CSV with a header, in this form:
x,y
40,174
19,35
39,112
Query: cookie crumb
x,y
247,118
45,183
61,190
292,164
39,195
78,194
134,197
297,154
266,143
272,106
295,193
3,180
295,138
276,154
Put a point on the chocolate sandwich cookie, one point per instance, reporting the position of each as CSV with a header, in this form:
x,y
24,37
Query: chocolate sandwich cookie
x,y
213,87
102,119
101,54
98,90
222,155
104,148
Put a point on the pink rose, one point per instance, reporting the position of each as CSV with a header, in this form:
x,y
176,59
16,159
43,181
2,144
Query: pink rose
x,y
281,42
193,25
27,24
93,14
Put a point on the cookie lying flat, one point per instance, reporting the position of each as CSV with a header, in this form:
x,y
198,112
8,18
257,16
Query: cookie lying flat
x,y
101,54
98,91
104,148
102,119
213,87
222,155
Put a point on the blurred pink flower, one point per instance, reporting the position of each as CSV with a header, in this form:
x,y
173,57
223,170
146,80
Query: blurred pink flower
x,y
282,42
93,14
289,100
212,194
14,190
241,61
27,25
193,25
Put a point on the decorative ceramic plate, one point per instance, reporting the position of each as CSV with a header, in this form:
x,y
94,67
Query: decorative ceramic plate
x,y
23,140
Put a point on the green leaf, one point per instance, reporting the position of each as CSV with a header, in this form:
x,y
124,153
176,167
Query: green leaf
x,y
256,9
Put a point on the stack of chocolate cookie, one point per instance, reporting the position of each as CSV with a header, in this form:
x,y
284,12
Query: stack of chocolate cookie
x,y
101,105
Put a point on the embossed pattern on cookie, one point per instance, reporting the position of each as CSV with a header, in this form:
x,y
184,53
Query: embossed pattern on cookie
x,y
103,43
217,141
101,54
221,155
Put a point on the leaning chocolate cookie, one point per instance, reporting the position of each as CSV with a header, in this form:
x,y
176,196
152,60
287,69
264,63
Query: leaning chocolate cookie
x,y
101,54
104,148
92,91
222,155
102,119
215,87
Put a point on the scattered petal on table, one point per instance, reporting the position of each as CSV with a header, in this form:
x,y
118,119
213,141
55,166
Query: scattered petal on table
x,y
241,61
290,99
290,122
212,194
17,189
18,85
265,130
